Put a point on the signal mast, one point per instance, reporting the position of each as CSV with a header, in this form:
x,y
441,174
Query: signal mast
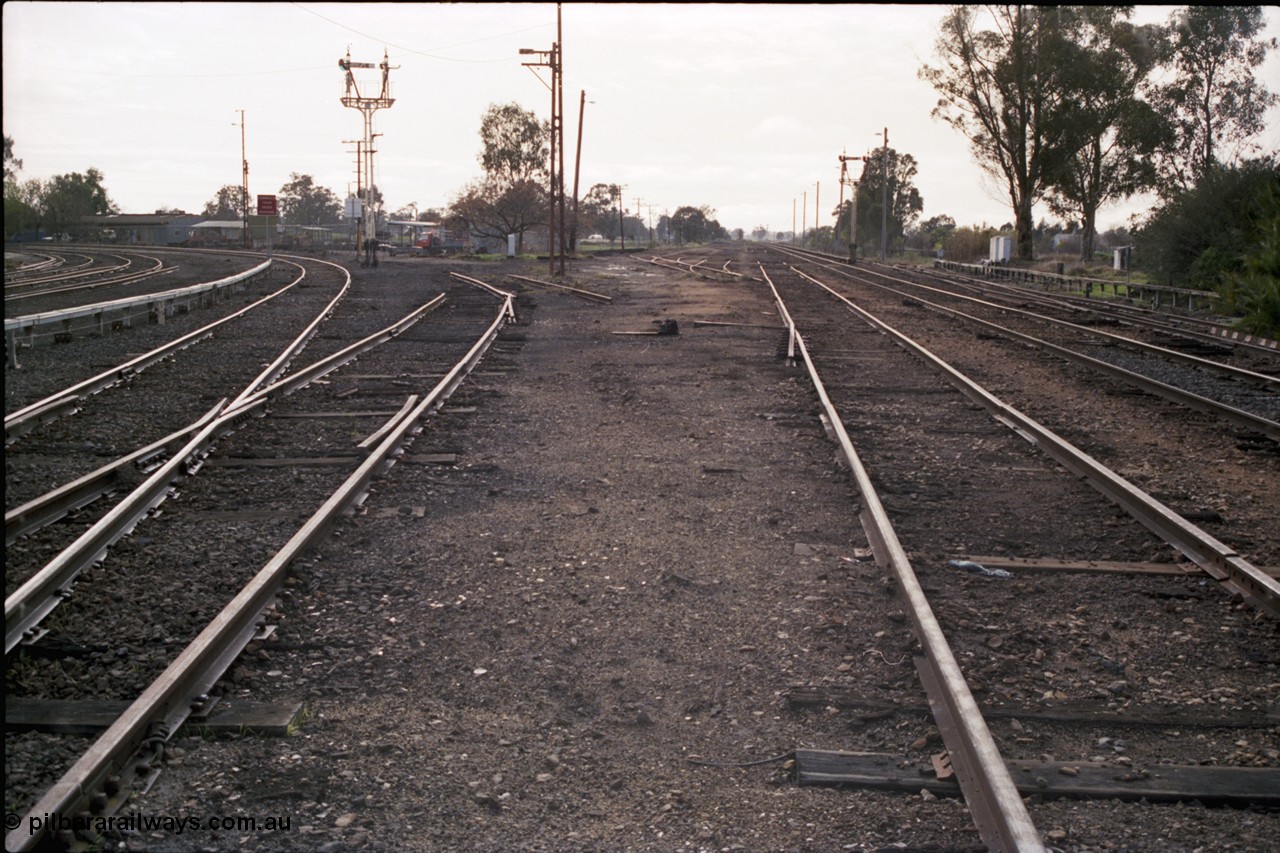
x,y
366,236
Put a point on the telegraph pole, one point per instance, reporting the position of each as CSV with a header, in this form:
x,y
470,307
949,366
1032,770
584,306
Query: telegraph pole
x,y
577,166
804,215
244,187
884,198
359,144
551,59
367,106
817,209
559,131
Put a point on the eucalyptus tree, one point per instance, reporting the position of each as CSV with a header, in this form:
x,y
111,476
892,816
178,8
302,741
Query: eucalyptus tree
x,y
303,202
1113,130
511,197
67,199
1212,97
1003,81
904,199
226,205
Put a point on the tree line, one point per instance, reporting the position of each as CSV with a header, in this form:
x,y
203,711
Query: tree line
x,y
1079,107
510,197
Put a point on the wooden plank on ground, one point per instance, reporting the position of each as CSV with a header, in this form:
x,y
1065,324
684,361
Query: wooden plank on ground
x,y
301,416
1046,564
283,461
1063,712
1237,786
70,716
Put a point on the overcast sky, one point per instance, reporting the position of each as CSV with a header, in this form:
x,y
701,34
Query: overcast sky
x,y
744,108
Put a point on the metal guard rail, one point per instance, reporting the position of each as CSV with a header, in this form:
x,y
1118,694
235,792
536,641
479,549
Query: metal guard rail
x,y
31,321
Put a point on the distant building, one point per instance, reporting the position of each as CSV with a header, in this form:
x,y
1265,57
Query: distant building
x,y
216,232
141,229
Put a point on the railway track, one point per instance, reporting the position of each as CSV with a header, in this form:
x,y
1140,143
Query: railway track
x,y
950,480
321,446
1240,384
1083,647
100,273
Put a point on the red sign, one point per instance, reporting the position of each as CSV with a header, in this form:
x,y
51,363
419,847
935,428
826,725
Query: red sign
x,y
267,205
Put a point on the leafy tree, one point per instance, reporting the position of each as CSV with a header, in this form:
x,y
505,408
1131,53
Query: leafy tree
x,y
905,202
491,212
1254,290
67,199
512,196
516,145
301,202
1199,236
227,205
22,205
12,165
598,211
931,235
1114,132
1213,99
696,225
760,233
1003,89
21,200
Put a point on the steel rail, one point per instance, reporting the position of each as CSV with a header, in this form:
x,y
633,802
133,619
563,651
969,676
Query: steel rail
x,y
1173,324
19,275
55,504
1261,380
168,701
281,362
685,266
328,364
1191,400
585,294
1214,557
508,297
84,490
74,273
26,418
46,589
65,284
993,799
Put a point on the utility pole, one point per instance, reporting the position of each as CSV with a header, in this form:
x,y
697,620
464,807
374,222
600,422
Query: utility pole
x,y
559,72
793,220
577,167
884,198
622,232
359,144
552,59
367,106
817,214
244,187
804,215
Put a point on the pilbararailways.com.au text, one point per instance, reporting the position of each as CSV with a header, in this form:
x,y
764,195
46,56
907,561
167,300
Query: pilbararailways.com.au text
x,y
140,822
